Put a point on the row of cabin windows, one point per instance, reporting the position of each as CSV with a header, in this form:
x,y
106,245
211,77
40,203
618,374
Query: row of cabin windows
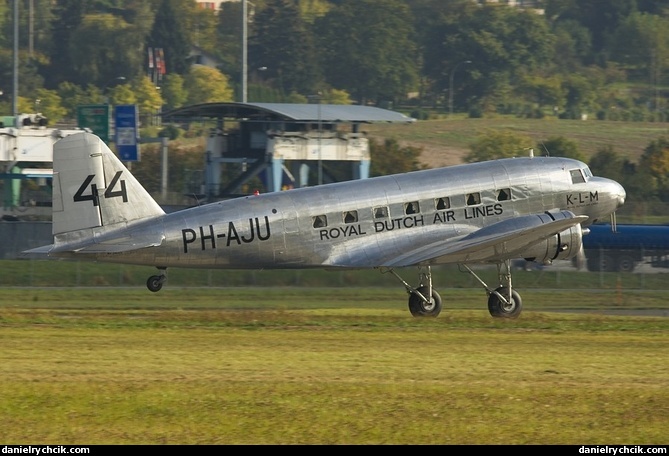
x,y
412,207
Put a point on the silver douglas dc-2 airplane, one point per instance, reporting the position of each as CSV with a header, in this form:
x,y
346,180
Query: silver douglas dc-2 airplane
x,y
536,208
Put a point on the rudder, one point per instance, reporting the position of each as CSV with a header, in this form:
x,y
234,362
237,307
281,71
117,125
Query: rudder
x,y
91,187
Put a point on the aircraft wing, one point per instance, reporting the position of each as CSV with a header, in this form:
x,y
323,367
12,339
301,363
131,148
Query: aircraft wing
x,y
499,241
503,240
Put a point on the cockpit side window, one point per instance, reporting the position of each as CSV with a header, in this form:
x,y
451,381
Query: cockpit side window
x,y
576,176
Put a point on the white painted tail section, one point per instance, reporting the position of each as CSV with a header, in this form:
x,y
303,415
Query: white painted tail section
x,y
92,188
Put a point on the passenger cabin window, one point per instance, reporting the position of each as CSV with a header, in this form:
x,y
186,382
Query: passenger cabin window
x,y
504,194
442,203
350,216
577,176
380,212
411,208
473,198
320,221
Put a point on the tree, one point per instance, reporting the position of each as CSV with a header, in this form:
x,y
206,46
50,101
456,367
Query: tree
x,y
573,45
544,91
391,158
498,144
559,146
655,162
122,94
643,41
49,104
68,16
173,91
105,47
29,77
606,162
73,95
149,101
205,85
170,33
182,158
282,44
600,18
367,49
501,42
580,94
229,39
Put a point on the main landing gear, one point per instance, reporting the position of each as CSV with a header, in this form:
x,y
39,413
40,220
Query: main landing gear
x,y
155,282
424,301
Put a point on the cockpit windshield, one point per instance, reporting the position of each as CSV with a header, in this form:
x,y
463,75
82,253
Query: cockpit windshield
x,y
577,176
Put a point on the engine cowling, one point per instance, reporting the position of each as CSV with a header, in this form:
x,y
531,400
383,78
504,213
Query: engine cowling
x,y
562,246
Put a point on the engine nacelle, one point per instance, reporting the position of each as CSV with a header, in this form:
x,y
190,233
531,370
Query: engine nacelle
x,y
562,246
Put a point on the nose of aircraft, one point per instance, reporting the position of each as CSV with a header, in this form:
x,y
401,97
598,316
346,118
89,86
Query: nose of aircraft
x,y
620,194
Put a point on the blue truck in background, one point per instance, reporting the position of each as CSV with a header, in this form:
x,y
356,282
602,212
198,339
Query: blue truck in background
x,y
627,247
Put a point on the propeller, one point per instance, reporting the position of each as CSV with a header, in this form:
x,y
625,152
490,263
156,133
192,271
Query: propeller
x,y
580,259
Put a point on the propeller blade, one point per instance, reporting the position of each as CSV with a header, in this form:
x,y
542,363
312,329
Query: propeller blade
x,y
580,259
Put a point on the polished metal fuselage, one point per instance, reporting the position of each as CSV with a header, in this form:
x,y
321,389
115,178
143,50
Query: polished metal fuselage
x,y
279,230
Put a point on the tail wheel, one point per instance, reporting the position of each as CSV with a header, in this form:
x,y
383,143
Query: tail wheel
x,y
420,308
501,309
155,283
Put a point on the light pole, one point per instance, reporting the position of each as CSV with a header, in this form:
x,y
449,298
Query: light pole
x,y
318,97
320,136
450,87
244,50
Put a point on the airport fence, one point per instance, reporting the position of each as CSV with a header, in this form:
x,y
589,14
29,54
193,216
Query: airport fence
x,y
561,275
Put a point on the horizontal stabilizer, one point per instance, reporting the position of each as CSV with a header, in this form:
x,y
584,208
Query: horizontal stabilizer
x,y
38,251
113,245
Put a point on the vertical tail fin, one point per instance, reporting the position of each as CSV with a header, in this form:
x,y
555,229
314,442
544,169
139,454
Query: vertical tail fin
x,y
92,188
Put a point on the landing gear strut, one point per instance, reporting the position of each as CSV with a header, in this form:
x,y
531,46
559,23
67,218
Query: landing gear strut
x,y
504,301
424,301
155,282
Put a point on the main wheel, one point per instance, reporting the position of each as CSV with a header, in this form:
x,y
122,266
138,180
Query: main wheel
x,y
501,309
420,308
155,283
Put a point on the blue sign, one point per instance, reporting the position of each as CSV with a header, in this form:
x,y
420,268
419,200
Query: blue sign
x,y
127,132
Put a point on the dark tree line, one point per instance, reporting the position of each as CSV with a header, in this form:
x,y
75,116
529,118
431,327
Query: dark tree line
x,y
569,55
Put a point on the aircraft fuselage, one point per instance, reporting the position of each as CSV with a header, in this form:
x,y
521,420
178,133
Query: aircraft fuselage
x,y
373,220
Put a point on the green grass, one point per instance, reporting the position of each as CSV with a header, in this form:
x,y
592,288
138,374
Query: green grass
x,y
54,273
290,365
629,139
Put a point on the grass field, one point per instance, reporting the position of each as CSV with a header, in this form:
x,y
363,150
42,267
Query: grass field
x,y
446,141
344,365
